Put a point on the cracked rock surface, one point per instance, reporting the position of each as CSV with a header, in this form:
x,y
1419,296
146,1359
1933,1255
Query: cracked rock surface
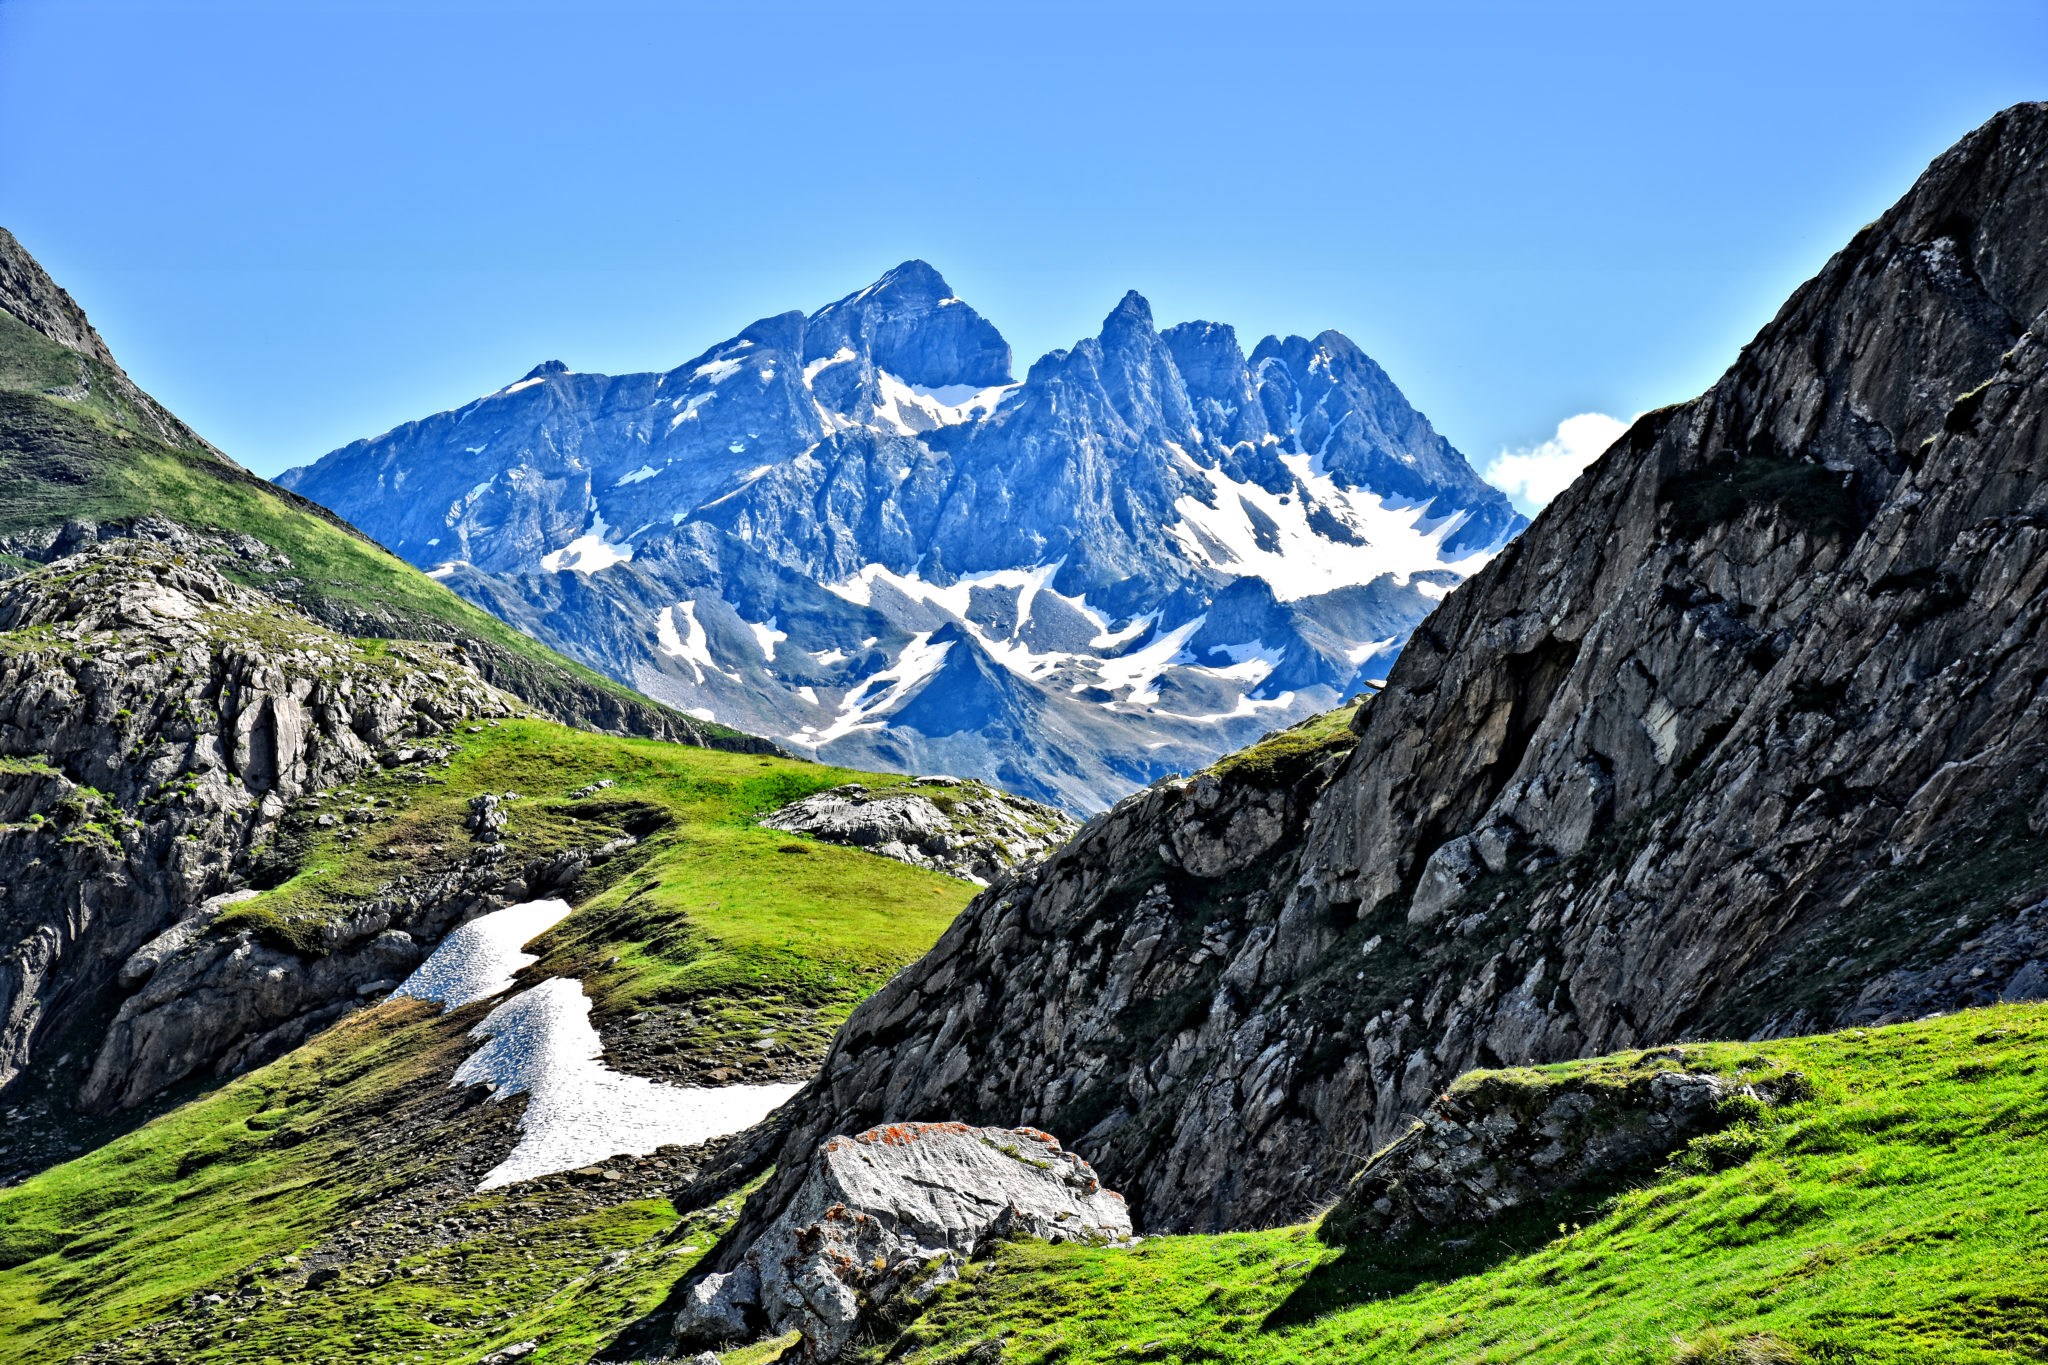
x,y
897,1210
156,722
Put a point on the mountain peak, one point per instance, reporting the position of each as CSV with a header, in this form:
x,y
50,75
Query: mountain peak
x,y
915,277
910,323
544,369
1131,311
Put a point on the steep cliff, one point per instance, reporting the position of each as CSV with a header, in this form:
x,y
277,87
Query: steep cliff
x,y
158,722
1743,736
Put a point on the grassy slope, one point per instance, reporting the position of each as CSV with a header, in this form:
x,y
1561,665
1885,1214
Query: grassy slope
x,y
60,460
708,909
1900,1214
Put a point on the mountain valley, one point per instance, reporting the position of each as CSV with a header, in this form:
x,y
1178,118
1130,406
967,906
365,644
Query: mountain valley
x,y
1622,937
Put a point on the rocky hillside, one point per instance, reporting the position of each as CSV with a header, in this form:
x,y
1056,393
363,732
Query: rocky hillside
x,y
855,532
1741,738
86,456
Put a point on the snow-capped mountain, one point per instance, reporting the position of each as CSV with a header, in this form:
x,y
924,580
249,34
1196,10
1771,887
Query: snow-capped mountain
x,y
857,533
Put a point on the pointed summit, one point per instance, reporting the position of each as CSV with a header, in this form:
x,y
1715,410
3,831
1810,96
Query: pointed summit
x,y
910,323
1132,313
544,369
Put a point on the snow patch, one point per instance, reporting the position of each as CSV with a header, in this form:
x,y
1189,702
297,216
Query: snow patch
x,y
578,1110
767,636
1269,535
716,371
589,552
1139,670
817,367
640,475
478,959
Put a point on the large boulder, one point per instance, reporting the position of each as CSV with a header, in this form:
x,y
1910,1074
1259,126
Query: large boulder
x,y
1498,1141
896,1211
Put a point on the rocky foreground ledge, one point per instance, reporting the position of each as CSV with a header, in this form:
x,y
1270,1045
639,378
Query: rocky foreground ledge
x,y
892,1215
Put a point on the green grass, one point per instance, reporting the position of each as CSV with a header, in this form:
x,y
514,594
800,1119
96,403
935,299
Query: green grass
x,y
708,909
707,905
1899,1214
1294,751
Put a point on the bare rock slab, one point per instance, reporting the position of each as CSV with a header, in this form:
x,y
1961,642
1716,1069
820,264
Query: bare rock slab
x,y
897,1210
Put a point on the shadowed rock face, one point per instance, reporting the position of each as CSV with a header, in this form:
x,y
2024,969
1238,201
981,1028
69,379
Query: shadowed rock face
x,y
1744,736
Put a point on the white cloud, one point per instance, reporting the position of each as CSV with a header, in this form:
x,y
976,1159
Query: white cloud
x,y
1536,475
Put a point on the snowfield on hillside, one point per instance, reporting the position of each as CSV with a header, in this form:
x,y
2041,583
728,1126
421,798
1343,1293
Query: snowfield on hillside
x,y
540,1043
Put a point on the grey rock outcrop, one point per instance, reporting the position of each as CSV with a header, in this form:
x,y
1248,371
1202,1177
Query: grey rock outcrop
x,y
1743,736
1502,1140
963,829
897,1211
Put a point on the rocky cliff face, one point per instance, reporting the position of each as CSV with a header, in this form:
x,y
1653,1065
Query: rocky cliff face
x,y
1742,737
156,723
853,531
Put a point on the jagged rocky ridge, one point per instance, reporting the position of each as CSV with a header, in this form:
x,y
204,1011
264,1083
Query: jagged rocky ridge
x,y
1743,736
856,533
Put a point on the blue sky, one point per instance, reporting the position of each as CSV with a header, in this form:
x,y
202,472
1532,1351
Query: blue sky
x,y
299,223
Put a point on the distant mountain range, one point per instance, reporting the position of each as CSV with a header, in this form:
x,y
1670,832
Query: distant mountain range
x,y
857,533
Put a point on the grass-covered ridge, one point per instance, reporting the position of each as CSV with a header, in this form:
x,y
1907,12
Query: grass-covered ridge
x,y
61,461
1898,1214
707,919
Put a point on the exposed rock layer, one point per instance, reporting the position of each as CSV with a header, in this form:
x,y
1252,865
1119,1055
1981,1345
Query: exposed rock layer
x,y
156,721
897,1211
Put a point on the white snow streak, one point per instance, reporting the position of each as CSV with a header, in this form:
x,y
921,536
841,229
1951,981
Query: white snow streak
x,y
478,959
1301,562
767,636
541,1045
865,704
689,643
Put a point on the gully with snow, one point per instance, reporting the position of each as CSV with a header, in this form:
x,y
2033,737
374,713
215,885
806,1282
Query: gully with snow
x,y
541,1044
